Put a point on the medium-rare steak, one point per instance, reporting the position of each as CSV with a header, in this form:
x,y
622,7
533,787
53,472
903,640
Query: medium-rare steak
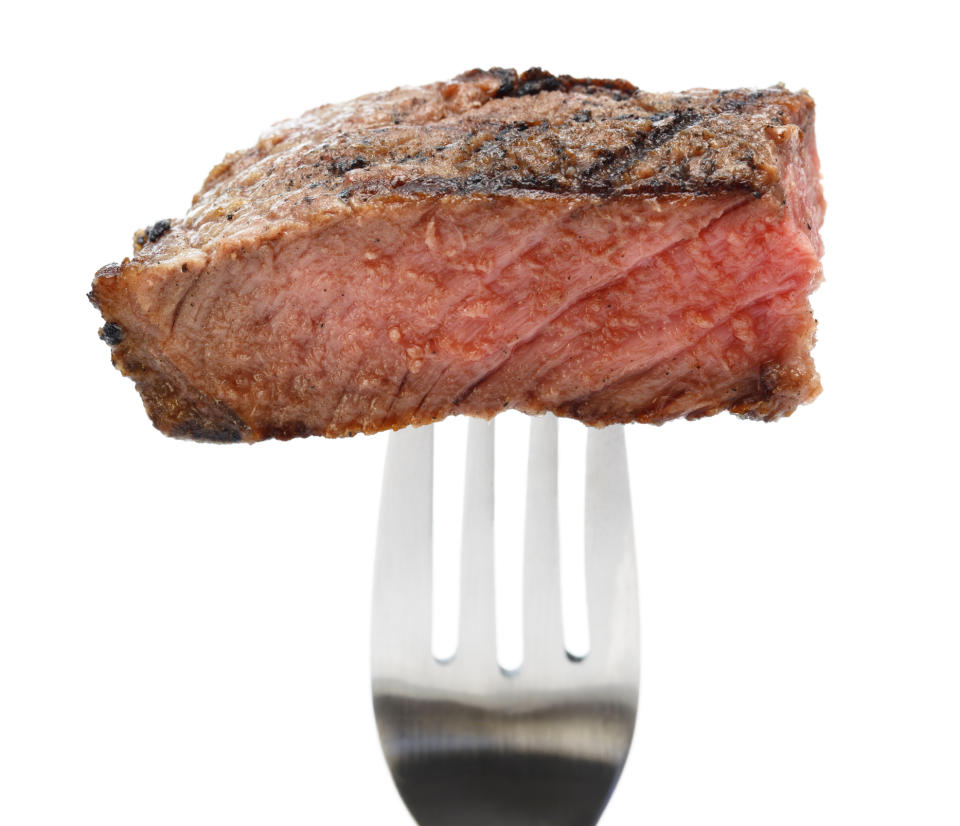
x,y
495,241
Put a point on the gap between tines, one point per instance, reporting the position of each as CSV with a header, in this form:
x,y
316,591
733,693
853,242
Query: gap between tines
x,y
512,443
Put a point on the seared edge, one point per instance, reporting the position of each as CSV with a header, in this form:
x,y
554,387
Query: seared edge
x,y
490,132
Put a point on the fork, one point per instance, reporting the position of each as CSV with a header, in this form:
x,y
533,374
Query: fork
x,y
467,743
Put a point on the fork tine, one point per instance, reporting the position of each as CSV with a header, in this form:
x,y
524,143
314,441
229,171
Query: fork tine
x,y
542,611
403,564
609,548
478,629
464,745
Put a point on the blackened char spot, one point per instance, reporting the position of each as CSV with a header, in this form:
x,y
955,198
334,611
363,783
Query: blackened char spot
x,y
206,431
508,79
112,333
155,232
344,165
287,430
583,117
536,80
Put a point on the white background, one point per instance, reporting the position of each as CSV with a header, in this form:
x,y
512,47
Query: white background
x,y
183,628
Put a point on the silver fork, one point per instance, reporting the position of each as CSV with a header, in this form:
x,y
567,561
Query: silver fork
x,y
468,744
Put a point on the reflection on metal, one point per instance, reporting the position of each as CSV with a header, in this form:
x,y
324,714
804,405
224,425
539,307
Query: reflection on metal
x,y
467,744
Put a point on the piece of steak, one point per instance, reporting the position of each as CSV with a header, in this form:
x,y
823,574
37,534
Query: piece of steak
x,y
496,241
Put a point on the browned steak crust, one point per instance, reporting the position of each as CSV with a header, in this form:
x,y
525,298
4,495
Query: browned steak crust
x,y
532,141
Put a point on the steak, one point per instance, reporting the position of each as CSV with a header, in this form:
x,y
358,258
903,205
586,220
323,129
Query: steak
x,y
500,240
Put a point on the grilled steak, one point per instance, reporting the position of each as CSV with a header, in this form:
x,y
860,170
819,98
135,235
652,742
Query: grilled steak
x,y
495,241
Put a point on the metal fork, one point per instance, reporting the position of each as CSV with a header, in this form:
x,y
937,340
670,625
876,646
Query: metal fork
x,y
466,743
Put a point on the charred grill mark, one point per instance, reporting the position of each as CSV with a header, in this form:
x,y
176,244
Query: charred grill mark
x,y
494,157
613,164
673,183
665,130
488,155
